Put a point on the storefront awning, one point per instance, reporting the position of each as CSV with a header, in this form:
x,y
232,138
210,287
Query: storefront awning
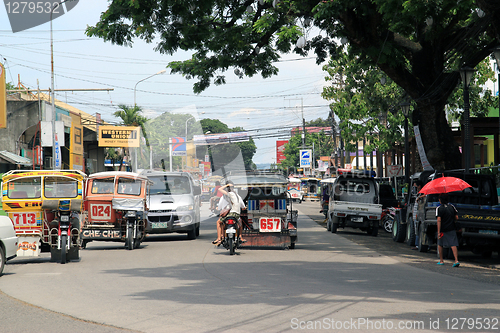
x,y
8,157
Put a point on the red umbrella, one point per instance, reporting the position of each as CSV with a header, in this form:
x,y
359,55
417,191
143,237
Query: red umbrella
x,y
444,185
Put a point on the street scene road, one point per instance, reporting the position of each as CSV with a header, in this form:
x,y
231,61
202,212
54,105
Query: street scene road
x,y
329,281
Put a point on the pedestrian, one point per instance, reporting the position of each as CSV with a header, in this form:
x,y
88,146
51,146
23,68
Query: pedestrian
x,y
447,215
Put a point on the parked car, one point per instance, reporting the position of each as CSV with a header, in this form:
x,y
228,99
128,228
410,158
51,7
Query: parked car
x,y
354,203
174,203
8,241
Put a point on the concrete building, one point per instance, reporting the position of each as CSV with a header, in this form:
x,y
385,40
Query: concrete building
x,y
26,135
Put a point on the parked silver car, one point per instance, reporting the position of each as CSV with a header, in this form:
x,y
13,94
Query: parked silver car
x,y
8,241
174,203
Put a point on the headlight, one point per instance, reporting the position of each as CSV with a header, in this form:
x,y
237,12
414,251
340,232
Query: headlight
x,y
184,208
130,213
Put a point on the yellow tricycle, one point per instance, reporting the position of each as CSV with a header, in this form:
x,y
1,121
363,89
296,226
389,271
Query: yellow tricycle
x,y
45,207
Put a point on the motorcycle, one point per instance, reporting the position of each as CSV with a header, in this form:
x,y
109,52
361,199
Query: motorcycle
x,y
387,219
64,231
214,204
230,241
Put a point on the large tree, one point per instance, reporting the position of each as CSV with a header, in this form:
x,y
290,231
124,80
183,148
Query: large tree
x,y
420,45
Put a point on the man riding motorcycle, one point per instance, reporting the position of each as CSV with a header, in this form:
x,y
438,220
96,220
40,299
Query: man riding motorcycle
x,y
232,199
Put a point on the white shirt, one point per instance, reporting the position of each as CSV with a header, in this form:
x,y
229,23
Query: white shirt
x,y
223,203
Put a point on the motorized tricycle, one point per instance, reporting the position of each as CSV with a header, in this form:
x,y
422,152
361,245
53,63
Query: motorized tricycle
x,y
269,220
116,208
45,207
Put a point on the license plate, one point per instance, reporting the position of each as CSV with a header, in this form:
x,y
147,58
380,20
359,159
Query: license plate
x,y
159,225
357,219
270,224
489,232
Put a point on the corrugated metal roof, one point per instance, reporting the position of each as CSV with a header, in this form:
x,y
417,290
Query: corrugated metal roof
x,y
14,158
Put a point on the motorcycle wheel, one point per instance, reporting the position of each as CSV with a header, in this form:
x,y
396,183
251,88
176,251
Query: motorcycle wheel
x,y
387,223
64,240
231,246
130,238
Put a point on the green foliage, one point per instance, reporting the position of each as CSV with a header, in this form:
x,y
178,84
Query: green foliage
x,y
222,154
323,146
419,45
481,99
366,107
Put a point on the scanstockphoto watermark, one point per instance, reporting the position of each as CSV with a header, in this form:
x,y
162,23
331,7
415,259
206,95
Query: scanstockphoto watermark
x,y
25,15
361,324
455,323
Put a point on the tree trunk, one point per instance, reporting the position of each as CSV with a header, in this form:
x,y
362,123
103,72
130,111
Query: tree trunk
x,y
440,147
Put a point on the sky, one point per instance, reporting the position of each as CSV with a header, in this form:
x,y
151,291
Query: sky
x,y
81,62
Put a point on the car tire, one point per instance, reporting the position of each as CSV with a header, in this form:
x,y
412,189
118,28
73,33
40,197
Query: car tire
x,y
191,234
2,260
410,233
421,246
398,231
335,225
197,229
374,231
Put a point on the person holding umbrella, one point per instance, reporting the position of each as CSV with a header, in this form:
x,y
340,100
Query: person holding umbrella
x,y
446,215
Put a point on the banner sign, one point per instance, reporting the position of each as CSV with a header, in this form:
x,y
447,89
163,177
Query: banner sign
x,y
3,98
421,149
280,151
119,136
179,146
214,139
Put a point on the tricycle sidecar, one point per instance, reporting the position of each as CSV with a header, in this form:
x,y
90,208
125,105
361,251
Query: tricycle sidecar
x,y
45,207
116,208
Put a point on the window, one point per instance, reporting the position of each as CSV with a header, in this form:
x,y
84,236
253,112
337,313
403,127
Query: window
x,y
170,185
103,186
60,187
129,186
24,188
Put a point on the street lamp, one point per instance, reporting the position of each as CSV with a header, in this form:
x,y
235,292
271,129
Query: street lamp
x,y
466,75
187,139
56,150
496,53
405,107
160,72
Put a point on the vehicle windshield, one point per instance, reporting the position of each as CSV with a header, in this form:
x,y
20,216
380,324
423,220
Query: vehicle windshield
x,y
358,186
60,187
24,188
129,186
103,185
270,190
169,185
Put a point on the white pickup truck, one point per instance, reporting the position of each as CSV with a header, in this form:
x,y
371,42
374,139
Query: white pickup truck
x,y
354,203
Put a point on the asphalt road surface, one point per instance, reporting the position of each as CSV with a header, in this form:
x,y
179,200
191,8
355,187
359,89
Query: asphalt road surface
x,y
172,284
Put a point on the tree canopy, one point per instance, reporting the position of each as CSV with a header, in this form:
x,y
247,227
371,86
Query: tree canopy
x,y
223,154
420,45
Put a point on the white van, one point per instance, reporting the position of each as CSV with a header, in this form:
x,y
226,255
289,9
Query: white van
x,y
174,203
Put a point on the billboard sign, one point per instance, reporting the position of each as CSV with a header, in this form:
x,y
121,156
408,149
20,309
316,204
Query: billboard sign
x,y
305,158
179,146
280,151
214,139
119,136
